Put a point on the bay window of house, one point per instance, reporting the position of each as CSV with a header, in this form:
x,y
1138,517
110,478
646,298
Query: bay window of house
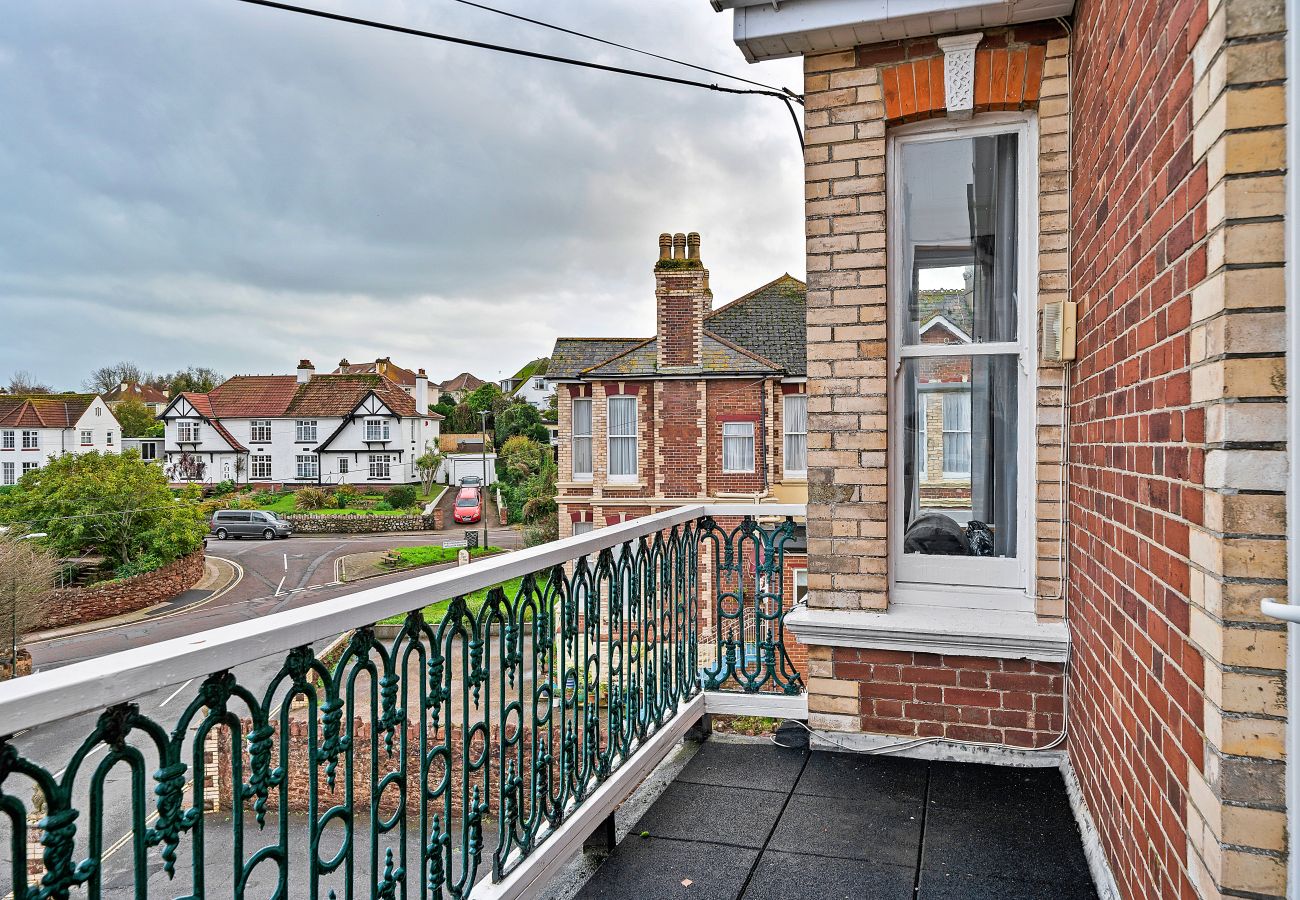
x,y
582,468
960,250
260,431
259,467
622,439
376,429
737,446
795,421
187,432
304,431
307,465
31,440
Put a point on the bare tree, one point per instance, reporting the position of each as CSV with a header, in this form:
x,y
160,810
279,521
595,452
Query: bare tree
x,y
23,382
27,576
105,378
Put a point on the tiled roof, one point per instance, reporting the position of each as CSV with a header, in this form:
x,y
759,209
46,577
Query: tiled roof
x,y
770,321
573,356
462,382
43,410
252,396
145,393
386,367
717,357
338,395
202,404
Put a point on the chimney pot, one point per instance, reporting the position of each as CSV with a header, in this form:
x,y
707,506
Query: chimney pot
x,y
343,363
665,246
679,246
693,245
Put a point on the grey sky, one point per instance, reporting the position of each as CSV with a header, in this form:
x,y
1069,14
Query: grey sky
x,y
211,183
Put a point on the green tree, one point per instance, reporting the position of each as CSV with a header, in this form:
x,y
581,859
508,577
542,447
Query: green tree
x,y
485,398
520,418
111,503
462,420
195,379
135,418
427,464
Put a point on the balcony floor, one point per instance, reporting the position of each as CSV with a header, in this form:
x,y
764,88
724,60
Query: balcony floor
x,y
761,822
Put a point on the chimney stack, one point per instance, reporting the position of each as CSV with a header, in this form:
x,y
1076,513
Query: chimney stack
x,y
305,371
682,300
421,393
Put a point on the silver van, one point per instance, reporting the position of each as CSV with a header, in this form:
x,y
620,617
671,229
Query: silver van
x,y
249,522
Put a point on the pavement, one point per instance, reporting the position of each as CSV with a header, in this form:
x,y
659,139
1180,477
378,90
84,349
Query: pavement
x,y
762,822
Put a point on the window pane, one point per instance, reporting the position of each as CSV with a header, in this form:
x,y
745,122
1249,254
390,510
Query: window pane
x,y
582,417
796,433
960,455
738,446
959,239
582,456
622,436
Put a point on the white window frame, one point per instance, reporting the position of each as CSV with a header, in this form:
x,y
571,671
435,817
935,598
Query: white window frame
x,y
966,582
304,431
751,437
8,473
307,465
188,431
797,575
30,467
259,431
585,527
31,439
584,436
786,434
635,437
8,439
377,430
108,437
952,474
381,466
259,467
87,437
343,465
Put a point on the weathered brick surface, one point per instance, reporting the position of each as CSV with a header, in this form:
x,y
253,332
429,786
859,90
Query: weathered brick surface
x,y
73,606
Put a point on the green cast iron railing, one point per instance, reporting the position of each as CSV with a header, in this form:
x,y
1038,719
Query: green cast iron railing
x,y
405,760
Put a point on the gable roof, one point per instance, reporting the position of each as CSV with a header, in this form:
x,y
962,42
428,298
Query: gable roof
x,y
43,410
145,393
762,332
462,382
202,404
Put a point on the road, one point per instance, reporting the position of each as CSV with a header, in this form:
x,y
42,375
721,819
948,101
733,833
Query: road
x,y
277,576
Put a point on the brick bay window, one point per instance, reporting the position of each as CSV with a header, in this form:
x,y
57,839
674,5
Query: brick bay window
x,y
795,423
582,462
961,357
308,466
622,439
738,447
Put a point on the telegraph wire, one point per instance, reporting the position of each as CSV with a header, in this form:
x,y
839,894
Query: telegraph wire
x,y
599,40
786,97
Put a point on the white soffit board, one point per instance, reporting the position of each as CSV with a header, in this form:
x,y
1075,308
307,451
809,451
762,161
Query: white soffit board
x,y
771,29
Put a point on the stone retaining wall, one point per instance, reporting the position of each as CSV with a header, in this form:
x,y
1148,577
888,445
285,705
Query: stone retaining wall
x,y
306,523
73,606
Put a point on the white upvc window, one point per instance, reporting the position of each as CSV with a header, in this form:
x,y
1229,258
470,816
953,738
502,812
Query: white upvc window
x,y
582,467
795,421
799,578
87,437
376,429
8,439
30,467
31,440
259,431
622,428
304,431
343,465
961,251
188,432
108,437
7,475
308,466
259,467
379,466
737,446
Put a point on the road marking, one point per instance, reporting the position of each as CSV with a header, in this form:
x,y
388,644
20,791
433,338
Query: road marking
x,y
286,562
280,585
174,693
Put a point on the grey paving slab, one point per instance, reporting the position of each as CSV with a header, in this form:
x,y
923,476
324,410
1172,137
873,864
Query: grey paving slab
x,y
988,842
708,812
786,876
762,766
967,786
659,869
881,831
864,776
947,886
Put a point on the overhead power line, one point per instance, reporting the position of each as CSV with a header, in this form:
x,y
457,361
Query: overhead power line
x,y
785,97
599,40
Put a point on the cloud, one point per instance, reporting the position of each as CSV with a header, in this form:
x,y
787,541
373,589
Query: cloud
x,y
221,184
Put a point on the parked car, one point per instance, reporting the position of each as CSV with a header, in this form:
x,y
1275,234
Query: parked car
x,y
470,481
469,506
237,523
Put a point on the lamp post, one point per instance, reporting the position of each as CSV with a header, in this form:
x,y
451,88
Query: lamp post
x,y
482,506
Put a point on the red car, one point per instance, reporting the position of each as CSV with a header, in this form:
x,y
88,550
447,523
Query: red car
x,y
468,507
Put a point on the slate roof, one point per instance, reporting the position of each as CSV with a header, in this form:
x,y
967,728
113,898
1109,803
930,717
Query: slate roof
x,y
763,332
43,410
770,321
573,356
145,393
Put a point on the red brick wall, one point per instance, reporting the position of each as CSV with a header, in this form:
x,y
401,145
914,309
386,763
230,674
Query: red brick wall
x,y
679,436
736,399
73,606
1138,219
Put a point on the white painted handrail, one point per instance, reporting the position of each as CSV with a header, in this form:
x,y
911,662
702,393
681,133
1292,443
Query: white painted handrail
x,y
1284,611
120,677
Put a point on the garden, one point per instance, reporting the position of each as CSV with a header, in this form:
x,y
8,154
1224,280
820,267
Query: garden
x,y
344,500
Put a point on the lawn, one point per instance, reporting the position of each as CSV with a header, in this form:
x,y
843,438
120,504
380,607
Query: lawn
x,y
283,504
408,557
434,612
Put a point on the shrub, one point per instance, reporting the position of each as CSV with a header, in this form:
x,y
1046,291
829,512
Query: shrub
x,y
220,489
402,496
308,499
345,496
383,506
145,562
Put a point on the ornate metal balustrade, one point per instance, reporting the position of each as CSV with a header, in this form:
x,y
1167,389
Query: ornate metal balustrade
x,y
429,757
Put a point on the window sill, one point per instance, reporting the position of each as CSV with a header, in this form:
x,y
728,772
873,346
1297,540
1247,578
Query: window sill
x,y
623,485
954,632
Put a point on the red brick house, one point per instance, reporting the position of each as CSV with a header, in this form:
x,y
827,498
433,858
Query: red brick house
x,y
1128,158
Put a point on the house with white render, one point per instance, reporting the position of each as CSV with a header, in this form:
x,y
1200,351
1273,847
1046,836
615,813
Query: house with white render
x,y
301,429
37,427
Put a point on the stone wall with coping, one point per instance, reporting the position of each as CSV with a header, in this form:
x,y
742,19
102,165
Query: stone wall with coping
x,y
306,523
74,606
